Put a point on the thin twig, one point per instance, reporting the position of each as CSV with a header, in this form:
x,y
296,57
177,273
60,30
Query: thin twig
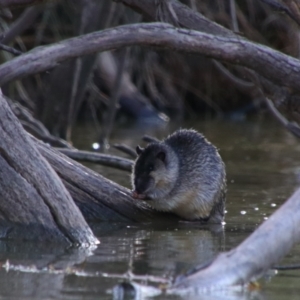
x,y
114,99
126,149
10,50
291,126
102,159
22,23
243,84
47,138
34,126
293,14
235,24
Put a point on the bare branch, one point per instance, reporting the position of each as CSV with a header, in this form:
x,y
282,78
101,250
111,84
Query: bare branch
x,y
10,49
238,82
34,126
115,94
291,126
126,149
289,8
266,61
22,23
234,21
185,17
103,159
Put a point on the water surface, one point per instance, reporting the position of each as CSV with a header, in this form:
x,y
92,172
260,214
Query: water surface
x,y
262,162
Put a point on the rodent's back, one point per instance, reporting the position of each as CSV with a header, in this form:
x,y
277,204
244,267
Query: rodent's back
x,y
195,154
201,169
183,174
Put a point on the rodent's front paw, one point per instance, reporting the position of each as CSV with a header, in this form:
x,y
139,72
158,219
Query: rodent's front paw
x,y
136,195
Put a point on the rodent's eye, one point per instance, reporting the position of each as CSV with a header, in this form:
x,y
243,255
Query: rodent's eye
x,y
150,168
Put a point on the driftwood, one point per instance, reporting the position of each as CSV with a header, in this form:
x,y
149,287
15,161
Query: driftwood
x,y
34,204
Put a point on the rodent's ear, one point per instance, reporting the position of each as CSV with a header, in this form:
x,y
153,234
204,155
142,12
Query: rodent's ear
x,y
161,155
139,150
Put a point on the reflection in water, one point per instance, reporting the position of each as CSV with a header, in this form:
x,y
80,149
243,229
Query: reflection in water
x,y
261,160
27,268
137,291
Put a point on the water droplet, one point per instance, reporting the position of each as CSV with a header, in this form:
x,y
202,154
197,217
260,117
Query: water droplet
x,y
273,204
243,212
256,208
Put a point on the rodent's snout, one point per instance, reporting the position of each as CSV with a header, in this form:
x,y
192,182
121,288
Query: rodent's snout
x,y
136,195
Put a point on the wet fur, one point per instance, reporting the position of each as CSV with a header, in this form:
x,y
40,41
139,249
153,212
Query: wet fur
x,y
188,181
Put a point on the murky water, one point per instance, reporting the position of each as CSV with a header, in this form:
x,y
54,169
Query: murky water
x,y
263,168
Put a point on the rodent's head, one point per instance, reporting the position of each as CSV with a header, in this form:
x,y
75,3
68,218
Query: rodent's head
x,y
154,172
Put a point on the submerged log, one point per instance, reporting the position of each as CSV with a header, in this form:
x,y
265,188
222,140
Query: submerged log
x,y
34,204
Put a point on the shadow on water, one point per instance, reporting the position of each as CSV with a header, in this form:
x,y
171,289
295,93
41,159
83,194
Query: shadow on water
x,y
261,161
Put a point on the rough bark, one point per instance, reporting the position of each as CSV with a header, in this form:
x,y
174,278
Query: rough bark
x,y
277,67
34,204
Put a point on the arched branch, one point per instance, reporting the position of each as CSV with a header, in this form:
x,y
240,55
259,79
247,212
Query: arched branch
x,y
277,67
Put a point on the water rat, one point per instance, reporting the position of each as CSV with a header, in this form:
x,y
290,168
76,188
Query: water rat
x,y
183,174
